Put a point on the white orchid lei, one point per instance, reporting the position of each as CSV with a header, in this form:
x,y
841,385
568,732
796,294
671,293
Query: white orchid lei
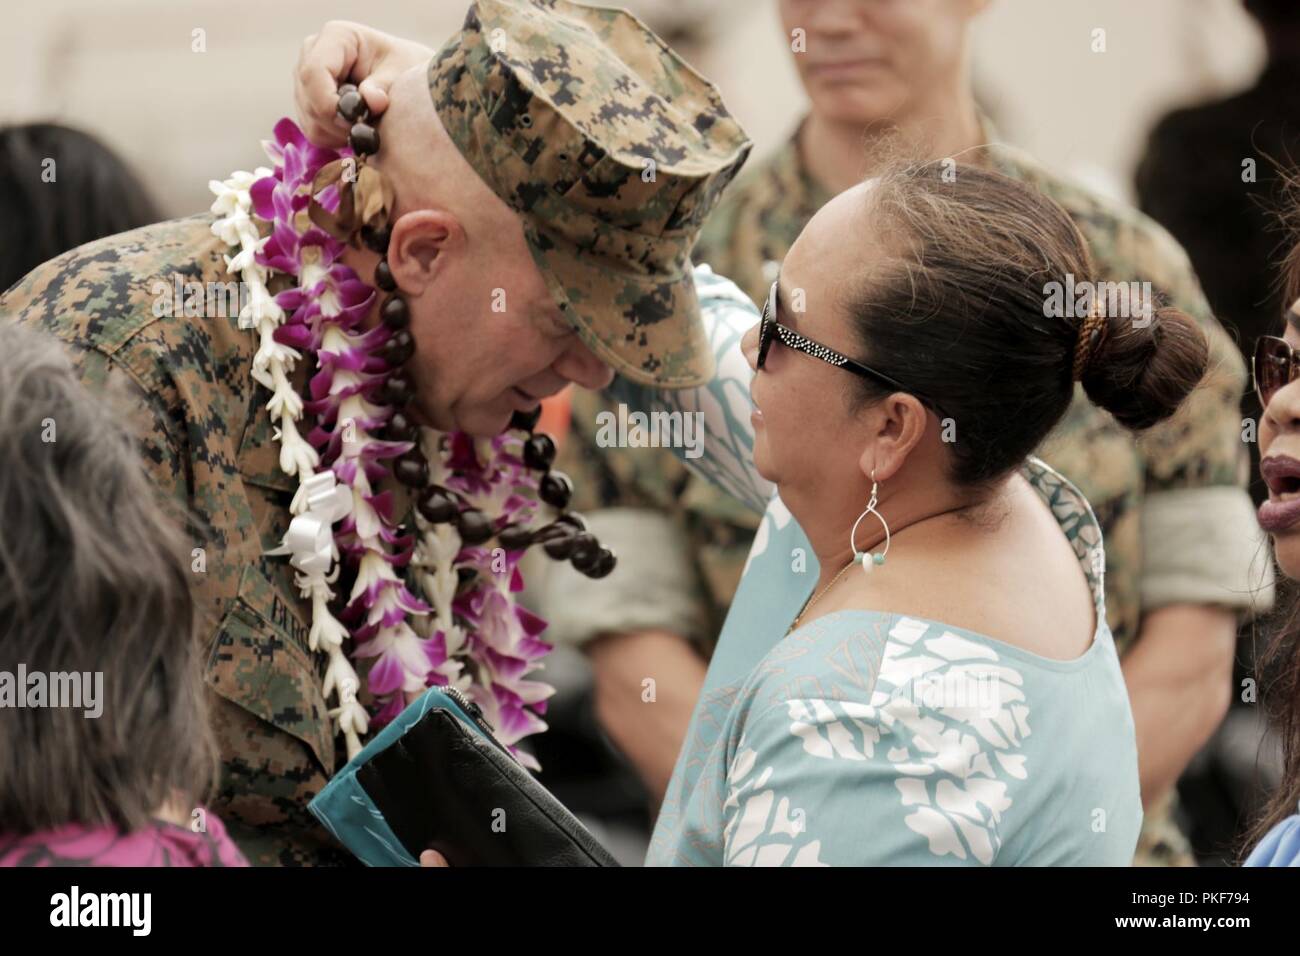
x,y
466,632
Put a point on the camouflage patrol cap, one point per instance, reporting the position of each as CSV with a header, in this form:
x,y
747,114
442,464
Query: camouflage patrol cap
x,y
613,151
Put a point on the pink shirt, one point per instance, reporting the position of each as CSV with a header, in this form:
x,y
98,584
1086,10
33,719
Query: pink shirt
x,y
160,844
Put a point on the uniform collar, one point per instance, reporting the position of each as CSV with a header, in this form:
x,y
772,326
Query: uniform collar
x,y
804,194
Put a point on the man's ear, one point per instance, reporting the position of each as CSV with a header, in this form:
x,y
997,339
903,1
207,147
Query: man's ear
x,y
897,424
420,244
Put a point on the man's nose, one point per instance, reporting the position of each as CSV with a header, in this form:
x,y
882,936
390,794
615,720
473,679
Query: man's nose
x,y
834,17
580,365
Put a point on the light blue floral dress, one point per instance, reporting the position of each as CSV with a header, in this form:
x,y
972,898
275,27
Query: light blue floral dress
x,y
1280,846
867,738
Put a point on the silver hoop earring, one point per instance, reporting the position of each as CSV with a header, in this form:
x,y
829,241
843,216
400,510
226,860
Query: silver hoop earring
x,y
864,558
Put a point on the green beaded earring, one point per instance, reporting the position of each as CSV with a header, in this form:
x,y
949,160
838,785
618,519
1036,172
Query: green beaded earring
x,y
868,560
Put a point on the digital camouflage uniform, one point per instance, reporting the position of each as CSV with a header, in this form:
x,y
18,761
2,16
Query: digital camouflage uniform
x,y
1178,524
561,109
206,439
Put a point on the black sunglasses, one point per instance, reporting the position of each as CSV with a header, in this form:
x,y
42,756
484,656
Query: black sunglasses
x,y
770,329
1274,366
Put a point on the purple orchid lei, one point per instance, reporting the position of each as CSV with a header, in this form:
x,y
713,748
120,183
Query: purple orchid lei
x,y
465,629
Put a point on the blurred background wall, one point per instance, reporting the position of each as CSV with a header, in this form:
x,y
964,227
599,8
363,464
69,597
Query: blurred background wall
x,y
128,72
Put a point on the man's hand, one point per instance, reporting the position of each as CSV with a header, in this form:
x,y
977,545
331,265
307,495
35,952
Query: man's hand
x,y
649,733
1179,676
433,858
341,52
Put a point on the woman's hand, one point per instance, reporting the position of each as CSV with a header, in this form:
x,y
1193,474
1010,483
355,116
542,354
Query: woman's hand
x,y
433,858
343,52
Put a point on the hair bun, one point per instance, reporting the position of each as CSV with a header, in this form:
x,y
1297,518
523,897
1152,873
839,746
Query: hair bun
x,y
1143,368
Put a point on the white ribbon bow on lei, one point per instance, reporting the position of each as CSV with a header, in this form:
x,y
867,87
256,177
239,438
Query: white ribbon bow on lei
x,y
310,538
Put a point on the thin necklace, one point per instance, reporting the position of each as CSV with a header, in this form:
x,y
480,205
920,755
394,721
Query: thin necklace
x,y
813,600
816,597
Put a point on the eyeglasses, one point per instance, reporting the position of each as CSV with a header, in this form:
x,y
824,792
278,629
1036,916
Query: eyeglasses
x,y
770,329
1274,366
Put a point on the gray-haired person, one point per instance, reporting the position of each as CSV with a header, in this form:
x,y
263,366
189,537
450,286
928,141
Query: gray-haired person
x,y
105,748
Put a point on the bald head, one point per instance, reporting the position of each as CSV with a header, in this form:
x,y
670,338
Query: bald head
x,y
425,167
490,338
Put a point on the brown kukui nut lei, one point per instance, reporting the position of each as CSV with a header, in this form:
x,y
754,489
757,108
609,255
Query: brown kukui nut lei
x,y
366,202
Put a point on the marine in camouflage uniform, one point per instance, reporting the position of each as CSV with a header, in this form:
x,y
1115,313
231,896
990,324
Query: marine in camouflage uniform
x,y
558,108
1178,524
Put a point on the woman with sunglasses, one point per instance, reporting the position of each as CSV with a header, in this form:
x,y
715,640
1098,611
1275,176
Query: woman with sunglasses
x,y
1276,366
916,668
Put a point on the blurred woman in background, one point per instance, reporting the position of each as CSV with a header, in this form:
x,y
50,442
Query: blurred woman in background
x,y
1276,836
59,189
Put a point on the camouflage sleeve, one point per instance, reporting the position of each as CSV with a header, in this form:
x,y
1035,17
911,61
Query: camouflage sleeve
x,y
1203,546
654,586
148,421
722,407
1196,465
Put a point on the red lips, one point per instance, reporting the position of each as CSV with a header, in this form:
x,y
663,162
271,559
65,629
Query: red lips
x,y
1281,473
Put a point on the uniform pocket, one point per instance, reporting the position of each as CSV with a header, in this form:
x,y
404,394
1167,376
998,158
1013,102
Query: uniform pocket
x,y
265,667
